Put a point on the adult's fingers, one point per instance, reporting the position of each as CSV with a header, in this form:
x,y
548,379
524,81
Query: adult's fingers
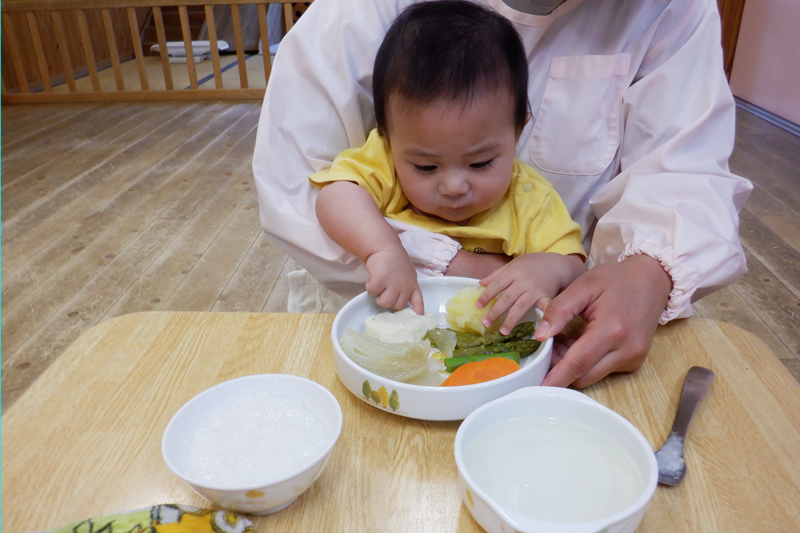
x,y
616,361
577,367
580,359
608,364
561,343
563,308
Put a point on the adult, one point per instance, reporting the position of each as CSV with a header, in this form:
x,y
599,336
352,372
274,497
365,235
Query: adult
x,y
633,123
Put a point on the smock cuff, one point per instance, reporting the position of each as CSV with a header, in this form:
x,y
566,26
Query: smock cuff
x,y
684,279
430,252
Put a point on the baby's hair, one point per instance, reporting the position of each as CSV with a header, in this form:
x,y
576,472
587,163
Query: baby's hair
x,y
451,50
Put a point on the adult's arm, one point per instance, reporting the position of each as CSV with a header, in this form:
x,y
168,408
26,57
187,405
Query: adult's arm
x,y
319,103
675,199
674,204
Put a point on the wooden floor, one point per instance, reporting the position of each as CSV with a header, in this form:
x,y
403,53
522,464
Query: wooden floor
x,y
113,209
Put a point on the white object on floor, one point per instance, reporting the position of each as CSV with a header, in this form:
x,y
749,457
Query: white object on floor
x,y
273,48
201,50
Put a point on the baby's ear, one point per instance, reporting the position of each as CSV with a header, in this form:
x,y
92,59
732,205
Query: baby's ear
x,y
527,119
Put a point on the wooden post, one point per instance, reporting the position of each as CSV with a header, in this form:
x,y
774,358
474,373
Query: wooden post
x,y
162,46
187,44
137,48
113,53
41,60
61,37
237,35
16,56
87,49
262,24
212,38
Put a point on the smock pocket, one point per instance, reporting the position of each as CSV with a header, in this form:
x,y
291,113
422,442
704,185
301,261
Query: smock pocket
x,y
577,127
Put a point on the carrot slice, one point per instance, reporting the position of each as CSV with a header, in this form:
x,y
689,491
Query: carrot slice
x,y
480,371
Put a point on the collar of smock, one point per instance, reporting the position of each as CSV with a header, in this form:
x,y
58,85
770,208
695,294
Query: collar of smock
x,y
533,20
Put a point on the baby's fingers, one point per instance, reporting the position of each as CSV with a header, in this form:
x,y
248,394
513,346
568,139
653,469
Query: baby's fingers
x,y
376,289
492,287
389,298
505,301
512,318
521,306
417,302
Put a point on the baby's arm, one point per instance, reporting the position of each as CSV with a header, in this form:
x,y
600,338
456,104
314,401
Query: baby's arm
x,y
472,265
350,217
527,281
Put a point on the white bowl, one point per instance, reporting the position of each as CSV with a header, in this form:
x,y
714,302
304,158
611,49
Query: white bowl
x,y
422,401
270,494
558,480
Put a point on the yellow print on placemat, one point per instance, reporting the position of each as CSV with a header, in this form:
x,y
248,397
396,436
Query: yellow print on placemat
x,y
165,518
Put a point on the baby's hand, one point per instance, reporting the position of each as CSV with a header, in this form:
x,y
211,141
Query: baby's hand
x,y
527,281
393,280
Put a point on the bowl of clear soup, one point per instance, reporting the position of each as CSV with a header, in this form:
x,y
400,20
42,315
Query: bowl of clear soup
x,y
554,460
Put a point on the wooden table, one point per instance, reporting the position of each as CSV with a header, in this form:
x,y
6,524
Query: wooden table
x,y
85,439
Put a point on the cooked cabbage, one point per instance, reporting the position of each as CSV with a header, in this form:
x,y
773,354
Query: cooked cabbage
x,y
399,361
444,340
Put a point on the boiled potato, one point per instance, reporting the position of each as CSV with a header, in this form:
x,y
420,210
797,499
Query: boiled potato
x,y
462,313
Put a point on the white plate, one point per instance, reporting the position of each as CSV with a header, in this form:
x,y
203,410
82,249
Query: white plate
x,y
421,401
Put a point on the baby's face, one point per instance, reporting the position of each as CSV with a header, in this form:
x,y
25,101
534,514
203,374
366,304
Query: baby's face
x,y
453,161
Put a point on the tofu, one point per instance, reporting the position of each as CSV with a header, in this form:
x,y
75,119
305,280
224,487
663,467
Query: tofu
x,y
402,326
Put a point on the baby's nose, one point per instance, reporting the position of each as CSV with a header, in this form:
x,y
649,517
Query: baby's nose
x,y
454,185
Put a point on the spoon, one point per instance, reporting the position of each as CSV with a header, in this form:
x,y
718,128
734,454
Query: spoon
x,y
671,466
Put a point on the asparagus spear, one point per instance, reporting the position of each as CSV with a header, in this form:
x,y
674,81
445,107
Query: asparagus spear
x,y
523,346
470,340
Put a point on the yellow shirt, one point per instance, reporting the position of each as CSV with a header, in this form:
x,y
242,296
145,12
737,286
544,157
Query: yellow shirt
x,y
531,217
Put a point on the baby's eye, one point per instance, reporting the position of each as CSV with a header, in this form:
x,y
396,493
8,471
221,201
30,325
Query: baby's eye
x,y
482,164
425,168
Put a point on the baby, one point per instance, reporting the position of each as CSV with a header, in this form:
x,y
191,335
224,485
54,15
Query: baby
x,y
450,89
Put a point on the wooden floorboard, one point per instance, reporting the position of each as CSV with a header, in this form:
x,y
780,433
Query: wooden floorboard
x,y
254,282
106,199
766,301
73,195
27,123
111,209
65,141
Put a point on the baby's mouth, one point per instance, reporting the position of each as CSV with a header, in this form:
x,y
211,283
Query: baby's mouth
x,y
458,217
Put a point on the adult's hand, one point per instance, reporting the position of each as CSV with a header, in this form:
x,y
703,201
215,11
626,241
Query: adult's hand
x,y
621,303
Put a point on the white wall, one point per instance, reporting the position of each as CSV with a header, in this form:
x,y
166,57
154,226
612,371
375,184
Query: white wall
x,y
766,66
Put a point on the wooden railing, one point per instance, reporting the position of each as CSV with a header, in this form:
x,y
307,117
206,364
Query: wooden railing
x,y
48,45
